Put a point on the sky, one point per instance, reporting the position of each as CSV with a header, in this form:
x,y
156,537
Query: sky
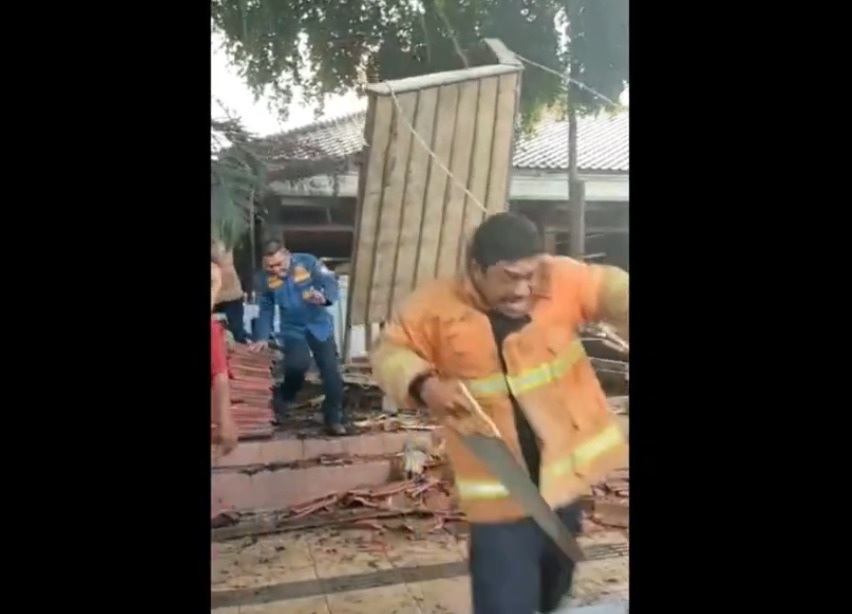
x,y
227,86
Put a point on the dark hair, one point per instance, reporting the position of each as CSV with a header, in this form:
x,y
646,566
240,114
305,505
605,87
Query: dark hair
x,y
272,247
504,236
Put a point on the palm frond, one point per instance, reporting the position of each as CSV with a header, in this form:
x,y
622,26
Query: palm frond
x,y
237,180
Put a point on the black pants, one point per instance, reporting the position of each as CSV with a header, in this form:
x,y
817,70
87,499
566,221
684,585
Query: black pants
x,y
297,361
516,569
233,310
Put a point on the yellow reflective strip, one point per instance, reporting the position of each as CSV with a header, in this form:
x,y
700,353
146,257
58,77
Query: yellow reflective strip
x,y
528,379
616,280
586,453
493,384
480,489
615,295
548,372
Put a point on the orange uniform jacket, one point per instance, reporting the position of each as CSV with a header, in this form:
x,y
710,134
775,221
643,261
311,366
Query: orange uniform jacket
x,y
442,328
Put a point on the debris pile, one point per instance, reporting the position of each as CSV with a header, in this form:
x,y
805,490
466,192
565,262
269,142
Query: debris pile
x,y
251,381
609,505
394,506
429,497
421,498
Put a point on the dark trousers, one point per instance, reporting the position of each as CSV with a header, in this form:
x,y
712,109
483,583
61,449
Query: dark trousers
x,y
516,569
297,361
233,310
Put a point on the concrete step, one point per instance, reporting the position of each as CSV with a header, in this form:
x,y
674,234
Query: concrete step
x,y
286,471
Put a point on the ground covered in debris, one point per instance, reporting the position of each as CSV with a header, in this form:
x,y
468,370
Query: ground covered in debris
x,y
417,571
395,506
399,547
420,486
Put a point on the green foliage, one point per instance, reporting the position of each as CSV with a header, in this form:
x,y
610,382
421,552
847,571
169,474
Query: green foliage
x,y
598,33
237,179
275,43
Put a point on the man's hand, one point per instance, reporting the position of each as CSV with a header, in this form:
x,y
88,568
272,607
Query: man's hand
x,y
443,396
257,346
227,436
314,296
446,399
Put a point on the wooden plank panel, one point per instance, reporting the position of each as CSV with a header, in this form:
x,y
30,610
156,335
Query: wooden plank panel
x,y
480,163
459,167
413,219
414,201
390,213
374,169
504,134
433,214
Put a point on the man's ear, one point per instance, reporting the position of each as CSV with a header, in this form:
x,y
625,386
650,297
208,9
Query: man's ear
x,y
476,270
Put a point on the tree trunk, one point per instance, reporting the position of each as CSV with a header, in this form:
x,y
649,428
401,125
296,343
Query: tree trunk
x,y
576,191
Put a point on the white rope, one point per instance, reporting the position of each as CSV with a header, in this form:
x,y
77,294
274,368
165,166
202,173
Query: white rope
x,y
431,153
422,142
563,75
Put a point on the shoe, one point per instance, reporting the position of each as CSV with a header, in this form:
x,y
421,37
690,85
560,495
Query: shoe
x,y
336,429
279,410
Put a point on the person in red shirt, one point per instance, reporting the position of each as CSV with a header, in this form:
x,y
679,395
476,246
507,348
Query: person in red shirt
x,y
223,427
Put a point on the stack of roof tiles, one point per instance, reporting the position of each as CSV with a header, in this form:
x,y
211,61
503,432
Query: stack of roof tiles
x,y
251,381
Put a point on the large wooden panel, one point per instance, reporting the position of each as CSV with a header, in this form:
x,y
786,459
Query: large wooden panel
x,y
438,158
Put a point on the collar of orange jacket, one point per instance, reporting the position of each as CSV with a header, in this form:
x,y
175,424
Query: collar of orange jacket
x,y
540,286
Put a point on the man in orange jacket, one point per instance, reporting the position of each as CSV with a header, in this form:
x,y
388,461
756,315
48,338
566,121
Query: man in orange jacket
x,y
505,329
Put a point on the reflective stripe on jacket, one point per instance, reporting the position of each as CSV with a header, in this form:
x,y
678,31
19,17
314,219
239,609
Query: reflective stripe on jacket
x,y
442,327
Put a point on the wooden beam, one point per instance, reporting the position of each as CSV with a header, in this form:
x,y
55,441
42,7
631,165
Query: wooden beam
x,y
290,228
438,79
590,230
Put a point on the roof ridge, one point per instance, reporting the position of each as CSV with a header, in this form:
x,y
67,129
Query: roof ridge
x,y
326,122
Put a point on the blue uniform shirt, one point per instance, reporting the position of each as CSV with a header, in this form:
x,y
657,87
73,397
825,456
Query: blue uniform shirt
x,y
297,315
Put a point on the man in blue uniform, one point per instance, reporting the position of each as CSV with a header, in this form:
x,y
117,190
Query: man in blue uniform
x,y
301,287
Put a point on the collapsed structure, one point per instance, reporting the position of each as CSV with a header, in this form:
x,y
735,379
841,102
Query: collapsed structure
x,y
437,160
391,473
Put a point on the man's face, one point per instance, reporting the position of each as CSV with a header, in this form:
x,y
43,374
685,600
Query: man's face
x,y
507,286
277,263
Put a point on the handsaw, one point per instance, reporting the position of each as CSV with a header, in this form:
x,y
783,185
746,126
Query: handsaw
x,y
495,454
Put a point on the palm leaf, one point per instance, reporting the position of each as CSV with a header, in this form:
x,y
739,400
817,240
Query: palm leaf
x,y
237,180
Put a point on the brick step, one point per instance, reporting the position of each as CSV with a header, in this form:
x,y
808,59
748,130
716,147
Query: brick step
x,y
276,474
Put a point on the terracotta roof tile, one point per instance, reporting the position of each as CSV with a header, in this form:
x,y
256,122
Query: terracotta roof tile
x,y
251,380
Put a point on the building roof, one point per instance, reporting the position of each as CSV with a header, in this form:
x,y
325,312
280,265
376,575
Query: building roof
x,y
603,142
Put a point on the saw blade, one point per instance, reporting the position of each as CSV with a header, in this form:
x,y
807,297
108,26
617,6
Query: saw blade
x,y
499,459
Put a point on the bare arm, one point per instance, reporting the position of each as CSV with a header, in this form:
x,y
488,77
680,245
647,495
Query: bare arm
x,y
221,399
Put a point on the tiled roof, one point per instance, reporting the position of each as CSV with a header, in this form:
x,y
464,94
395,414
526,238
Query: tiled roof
x,y
603,142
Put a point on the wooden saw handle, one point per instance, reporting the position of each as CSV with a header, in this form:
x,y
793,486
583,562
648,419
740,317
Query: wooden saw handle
x,y
479,414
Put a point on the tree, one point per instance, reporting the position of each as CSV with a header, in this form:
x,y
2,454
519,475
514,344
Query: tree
x,y
237,177
329,47
242,164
